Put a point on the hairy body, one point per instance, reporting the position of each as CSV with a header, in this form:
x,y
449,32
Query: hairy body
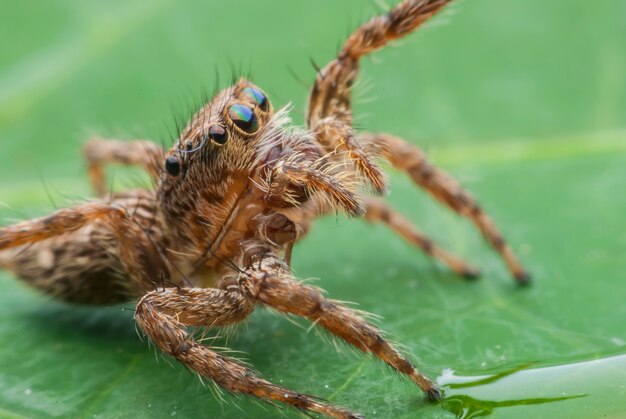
x,y
232,196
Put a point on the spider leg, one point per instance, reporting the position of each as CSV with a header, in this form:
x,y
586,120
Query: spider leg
x,y
409,158
99,151
331,94
329,112
269,281
288,183
71,254
164,316
336,137
377,211
63,221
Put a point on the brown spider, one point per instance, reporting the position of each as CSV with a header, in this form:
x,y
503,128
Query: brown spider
x,y
232,196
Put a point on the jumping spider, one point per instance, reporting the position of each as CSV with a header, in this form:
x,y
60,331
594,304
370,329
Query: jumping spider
x,y
235,192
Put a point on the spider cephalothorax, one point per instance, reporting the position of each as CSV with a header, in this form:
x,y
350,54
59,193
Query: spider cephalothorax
x,y
238,170
238,188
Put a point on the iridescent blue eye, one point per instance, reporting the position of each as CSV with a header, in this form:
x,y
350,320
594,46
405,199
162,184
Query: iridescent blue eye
x,y
256,96
243,117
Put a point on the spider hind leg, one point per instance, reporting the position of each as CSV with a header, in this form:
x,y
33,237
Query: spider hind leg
x,y
64,256
441,186
377,211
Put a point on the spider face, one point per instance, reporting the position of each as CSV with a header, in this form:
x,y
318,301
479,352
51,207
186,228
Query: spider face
x,y
223,133
221,147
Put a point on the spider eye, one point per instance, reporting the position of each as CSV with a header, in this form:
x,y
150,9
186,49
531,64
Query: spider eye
x,y
244,118
172,165
256,96
218,134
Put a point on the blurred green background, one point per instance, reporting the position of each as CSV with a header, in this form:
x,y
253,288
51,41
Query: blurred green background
x,y
523,101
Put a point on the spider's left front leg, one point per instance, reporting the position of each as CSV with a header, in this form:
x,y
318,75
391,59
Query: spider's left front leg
x,y
268,281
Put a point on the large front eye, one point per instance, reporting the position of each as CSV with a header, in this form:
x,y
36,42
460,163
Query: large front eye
x,y
244,118
256,96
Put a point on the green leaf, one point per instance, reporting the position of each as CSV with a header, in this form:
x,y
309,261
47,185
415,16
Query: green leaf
x,y
524,102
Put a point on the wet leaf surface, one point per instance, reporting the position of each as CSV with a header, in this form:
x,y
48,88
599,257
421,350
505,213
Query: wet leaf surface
x,y
524,102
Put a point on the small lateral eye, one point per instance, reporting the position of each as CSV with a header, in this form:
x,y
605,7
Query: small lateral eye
x,y
244,118
172,165
218,134
256,96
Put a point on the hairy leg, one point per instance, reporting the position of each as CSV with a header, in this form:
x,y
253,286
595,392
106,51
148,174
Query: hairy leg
x,y
269,281
407,157
94,253
331,94
378,211
164,316
290,182
99,151
338,139
63,221
66,255
329,113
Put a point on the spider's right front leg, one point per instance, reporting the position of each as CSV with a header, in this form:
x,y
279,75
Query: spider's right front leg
x,y
164,316
99,151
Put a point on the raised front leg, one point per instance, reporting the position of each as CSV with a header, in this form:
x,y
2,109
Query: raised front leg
x,y
164,316
99,151
331,94
409,158
329,113
269,281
